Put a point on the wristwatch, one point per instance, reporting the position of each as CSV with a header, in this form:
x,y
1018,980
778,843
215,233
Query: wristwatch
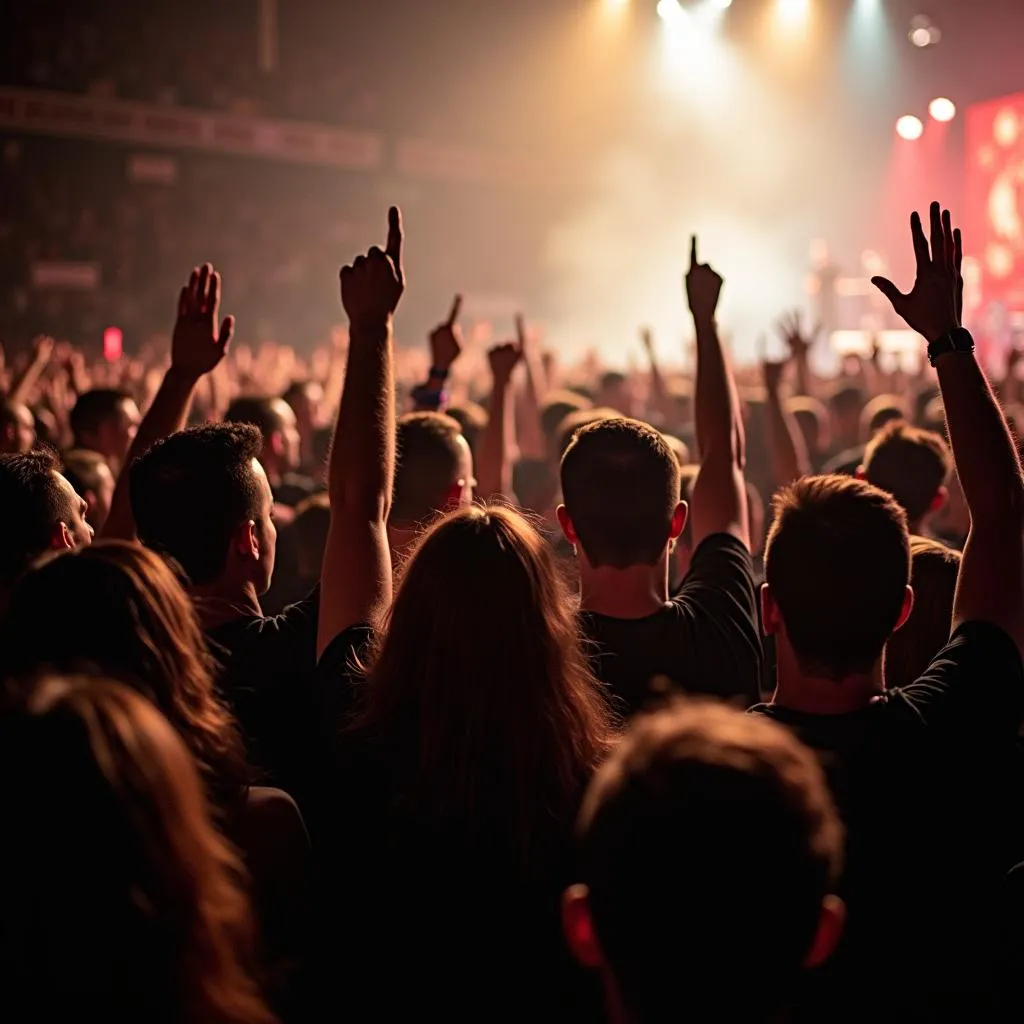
x,y
957,340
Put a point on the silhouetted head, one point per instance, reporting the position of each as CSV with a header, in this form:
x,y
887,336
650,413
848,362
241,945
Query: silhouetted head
x,y
434,468
90,475
837,569
105,420
17,427
276,421
122,902
39,512
480,675
116,609
202,497
620,485
665,833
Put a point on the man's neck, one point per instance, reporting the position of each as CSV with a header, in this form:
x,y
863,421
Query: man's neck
x,y
797,690
632,593
217,604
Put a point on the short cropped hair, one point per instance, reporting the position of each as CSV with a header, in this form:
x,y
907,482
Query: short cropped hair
x,y
472,420
934,574
665,833
427,466
93,409
31,505
557,406
259,410
620,484
582,418
847,400
82,469
879,413
910,463
191,491
837,561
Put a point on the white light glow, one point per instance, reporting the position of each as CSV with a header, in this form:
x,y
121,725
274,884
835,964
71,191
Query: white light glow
x,y
942,109
671,12
721,5
909,127
793,11
616,4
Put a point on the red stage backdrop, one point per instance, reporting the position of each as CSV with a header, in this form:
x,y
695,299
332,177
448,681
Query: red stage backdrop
x,y
994,222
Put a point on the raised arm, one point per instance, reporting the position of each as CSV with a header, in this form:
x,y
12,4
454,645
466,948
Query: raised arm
x,y
197,347
719,501
24,384
494,471
786,445
661,400
355,582
445,348
991,583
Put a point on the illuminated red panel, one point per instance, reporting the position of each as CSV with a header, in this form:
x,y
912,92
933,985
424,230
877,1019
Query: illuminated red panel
x,y
994,222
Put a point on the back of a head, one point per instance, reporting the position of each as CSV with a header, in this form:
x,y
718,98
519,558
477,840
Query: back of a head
x,y
667,832
122,902
837,562
556,407
84,470
191,491
812,418
482,671
427,466
31,507
934,573
93,409
472,421
259,410
309,532
123,614
575,422
620,484
879,413
911,464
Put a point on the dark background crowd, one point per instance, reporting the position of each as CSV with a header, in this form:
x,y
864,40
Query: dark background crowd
x,y
349,676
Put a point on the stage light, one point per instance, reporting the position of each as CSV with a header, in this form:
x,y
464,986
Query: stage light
x,y
616,4
923,31
793,10
909,127
671,12
722,5
942,109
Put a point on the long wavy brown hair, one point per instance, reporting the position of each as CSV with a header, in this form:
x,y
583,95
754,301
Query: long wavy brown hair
x,y
479,683
121,902
116,609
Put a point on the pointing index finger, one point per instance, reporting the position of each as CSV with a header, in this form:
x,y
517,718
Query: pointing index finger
x,y
394,244
693,251
520,330
453,315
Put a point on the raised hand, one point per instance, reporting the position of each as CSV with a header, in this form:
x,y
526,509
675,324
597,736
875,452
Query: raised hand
x,y
504,359
647,340
934,306
446,338
42,347
372,285
197,345
703,287
796,339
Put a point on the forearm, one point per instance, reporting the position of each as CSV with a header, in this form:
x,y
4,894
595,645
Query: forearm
x,y
531,437
986,457
166,415
788,452
718,423
25,383
362,460
804,377
660,400
494,473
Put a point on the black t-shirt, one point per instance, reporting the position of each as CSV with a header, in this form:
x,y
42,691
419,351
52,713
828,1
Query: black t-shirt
x,y
924,784
706,640
432,916
295,488
267,665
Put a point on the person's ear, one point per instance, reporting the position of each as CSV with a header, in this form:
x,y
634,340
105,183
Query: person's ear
x,y
578,926
861,473
453,499
771,618
908,607
940,499
276,443
679,517
61,539
246,543
831,921
565,523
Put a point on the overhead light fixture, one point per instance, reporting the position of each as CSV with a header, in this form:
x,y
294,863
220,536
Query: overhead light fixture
x,y
909,127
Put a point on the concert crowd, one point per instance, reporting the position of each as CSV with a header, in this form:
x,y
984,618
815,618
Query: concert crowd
x,y
376,684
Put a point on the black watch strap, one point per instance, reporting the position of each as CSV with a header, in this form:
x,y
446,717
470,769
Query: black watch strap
x,y
957,340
